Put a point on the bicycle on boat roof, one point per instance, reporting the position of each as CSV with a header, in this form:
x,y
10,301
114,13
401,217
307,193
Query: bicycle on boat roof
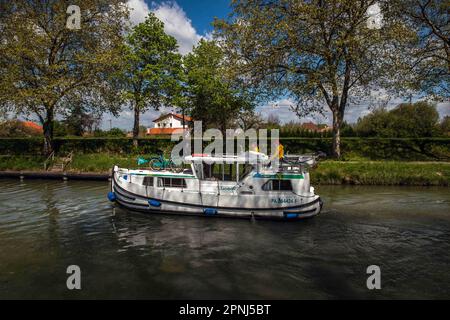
x,y
159,162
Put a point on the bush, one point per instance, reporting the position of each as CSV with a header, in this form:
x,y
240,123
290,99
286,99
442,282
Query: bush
x,y
418,120
421,149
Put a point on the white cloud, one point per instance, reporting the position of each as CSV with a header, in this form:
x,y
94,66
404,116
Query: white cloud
x,y
138,11
176,22
282,109
352,112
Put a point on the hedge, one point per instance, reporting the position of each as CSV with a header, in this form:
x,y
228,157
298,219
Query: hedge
x,y
367,148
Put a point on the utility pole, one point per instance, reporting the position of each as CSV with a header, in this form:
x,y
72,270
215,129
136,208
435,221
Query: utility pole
x,y
110,124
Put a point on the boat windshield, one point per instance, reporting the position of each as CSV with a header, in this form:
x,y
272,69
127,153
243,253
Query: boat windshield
x,y
222,171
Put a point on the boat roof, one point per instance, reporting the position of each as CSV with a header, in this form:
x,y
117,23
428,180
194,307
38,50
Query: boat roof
x,y
245,157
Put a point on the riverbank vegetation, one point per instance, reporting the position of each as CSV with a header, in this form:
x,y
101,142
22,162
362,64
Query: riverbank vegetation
x,y
325,56
327,172
353,148
382,173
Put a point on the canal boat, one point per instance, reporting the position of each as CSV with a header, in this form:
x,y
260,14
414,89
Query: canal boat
x,y
244,186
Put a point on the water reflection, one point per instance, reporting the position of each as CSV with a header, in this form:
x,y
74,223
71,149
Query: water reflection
x,y
406,231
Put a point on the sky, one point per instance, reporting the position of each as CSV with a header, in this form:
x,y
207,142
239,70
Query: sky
x,y
189,21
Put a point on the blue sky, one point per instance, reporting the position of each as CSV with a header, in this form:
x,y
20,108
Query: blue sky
x,y
203,12
189,21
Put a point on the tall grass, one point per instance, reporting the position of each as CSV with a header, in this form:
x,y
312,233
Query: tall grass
x,y
328,172
382,173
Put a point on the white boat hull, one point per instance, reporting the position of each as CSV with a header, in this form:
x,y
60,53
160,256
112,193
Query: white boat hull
x,y
137,197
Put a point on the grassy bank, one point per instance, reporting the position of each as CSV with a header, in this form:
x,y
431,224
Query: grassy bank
x,y
328,172
382,173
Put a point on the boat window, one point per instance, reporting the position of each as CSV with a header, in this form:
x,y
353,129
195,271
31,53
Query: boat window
x,y
223,172
147,181
277,185
172,182
208,171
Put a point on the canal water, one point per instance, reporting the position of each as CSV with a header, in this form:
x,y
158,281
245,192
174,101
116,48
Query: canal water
x,y
45,226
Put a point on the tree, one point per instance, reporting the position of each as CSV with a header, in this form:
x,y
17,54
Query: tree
x,y
429,61
212,98
273,122
80,120
319,53
418,120
249,119
114,132
43,62
151,70
376,123
445,126
82,116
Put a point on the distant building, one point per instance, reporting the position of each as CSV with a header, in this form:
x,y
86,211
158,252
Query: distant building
x,y
324,128
310,126
33,126
170,123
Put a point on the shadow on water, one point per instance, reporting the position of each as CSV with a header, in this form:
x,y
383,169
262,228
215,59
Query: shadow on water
x,y
406,231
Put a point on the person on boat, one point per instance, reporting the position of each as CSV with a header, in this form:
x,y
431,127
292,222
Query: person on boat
x,y
279,151
277,154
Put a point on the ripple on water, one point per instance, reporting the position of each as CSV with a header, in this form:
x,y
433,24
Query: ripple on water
x,y
47,225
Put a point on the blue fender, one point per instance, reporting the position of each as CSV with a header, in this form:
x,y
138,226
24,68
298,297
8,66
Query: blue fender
x,y
111,196
210,211
154,203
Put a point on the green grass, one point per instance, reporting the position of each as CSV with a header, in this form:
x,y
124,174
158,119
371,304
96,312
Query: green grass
x,y
101,162
328,172
382,173
19,163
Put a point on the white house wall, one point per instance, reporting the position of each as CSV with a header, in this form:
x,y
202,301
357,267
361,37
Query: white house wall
x,y
170,122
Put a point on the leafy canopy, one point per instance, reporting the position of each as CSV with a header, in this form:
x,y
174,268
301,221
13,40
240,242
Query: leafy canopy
x,y
210,95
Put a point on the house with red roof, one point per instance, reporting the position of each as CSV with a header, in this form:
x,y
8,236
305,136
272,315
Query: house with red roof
x,y
33,126
309,126
170,123
312,127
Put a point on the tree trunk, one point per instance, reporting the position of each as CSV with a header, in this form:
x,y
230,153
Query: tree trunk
x,y
337,122
136,125
48,133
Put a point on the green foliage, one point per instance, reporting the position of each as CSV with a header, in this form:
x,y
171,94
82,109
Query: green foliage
x,y
22,162
209,95
59,129
44,65
421,149
81,118
319,53
418,120
445,126
328,172
114,132
428,63
102,162
382,173
151,68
